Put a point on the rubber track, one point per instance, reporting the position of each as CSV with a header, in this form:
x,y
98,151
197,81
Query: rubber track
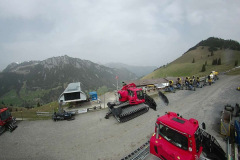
x,y
140,153
126,116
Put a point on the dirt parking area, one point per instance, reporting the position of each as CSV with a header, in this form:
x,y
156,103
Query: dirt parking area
x,y
92,137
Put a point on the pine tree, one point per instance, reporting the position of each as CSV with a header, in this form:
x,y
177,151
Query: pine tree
x,y
219,61
236,63
212,53
214,62
203,68
193,61
205,63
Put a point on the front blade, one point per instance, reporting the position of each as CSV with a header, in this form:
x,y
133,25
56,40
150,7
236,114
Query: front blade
x,y
163,97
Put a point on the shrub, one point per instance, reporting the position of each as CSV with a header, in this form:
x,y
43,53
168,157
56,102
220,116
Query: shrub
x,y
236,63
193,61
203,68
219,61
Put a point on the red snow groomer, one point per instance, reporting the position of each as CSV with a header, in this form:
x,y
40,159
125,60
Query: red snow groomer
x,y
6,121
132,103
176,138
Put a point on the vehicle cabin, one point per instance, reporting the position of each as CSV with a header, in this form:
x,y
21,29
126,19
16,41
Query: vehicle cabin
x,y
176,138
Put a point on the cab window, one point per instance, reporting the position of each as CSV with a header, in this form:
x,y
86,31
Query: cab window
x,y
140,95
173,137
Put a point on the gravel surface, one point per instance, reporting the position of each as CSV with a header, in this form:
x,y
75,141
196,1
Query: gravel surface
x,y
92,137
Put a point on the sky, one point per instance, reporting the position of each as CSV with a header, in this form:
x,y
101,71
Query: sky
x,y
134,32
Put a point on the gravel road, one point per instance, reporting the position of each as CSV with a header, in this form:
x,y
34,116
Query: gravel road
x,y
91,137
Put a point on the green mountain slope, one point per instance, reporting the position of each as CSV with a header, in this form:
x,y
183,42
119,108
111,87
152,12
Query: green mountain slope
x,y
204,52
30,83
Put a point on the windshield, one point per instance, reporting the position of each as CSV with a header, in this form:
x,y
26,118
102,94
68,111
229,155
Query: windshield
x,y
130,93
173,137
198,139
140,95
4,115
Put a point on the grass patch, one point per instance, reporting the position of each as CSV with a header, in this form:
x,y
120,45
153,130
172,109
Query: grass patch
x,y
25,97
20,112
11,98
235,71
31,95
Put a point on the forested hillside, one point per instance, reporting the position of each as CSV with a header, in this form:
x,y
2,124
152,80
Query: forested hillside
x,y
41,82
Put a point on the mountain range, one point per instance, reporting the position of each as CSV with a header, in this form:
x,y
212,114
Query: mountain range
x,y
33,82
140,71
39,82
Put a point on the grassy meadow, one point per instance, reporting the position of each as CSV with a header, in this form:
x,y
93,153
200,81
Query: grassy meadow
x,y
31,113
183,66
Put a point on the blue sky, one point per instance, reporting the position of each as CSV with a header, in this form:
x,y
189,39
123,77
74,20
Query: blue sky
x,y
136,32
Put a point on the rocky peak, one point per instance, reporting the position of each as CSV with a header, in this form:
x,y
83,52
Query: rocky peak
x,y
56,61
19,67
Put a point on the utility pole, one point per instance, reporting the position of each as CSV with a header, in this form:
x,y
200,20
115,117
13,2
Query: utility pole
x,y
21,115
117,82
104,100
60,106
117,88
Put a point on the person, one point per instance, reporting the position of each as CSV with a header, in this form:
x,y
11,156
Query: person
x,y
190,84
190,81
198,82
170,83
211,75
209,79
187,81
193,78
170,86
198,79
179,82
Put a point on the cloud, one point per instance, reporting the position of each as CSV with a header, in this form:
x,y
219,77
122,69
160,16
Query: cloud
x,y
137,32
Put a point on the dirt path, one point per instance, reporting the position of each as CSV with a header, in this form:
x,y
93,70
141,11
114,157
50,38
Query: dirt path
x,y
91,137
